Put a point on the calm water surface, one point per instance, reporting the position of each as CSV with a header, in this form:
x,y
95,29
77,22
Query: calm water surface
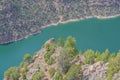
x,y
90,34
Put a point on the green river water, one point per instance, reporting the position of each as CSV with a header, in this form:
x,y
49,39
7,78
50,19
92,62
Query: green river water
x,y
90,34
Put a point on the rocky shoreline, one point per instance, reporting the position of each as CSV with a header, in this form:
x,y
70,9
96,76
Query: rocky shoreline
x,y
20,19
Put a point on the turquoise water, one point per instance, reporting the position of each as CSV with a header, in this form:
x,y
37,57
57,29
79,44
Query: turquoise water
x,y
90,34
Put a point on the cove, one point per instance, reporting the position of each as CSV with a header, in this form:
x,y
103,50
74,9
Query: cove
x,y
90,34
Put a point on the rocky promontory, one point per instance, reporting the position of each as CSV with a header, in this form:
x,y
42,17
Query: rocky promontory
x,y
62,61
22,18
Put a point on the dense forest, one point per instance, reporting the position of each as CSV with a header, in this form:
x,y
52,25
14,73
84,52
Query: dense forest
x,y
21,18
61,60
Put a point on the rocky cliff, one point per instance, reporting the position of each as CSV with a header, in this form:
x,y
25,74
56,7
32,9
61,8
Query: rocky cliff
x,y
90,72
58,66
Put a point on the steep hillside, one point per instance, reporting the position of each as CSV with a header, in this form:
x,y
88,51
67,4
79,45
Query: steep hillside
x,y
22,18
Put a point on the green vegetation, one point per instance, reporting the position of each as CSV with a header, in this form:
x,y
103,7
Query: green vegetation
x,y
38,76
92,57
24,71
23,65
28,16
58,76
52,72
70,42
63,62
50,48
67,54
38,66
74,73
70,47
104,56
113,66
89,56
113,60
12,73
27,57
24,18
66,64
60,42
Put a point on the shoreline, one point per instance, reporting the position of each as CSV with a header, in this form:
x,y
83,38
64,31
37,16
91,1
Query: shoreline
x,y
59,22
74,20
101,17
65,22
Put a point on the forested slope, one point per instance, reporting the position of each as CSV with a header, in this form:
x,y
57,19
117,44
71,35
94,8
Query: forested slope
x,y
21,18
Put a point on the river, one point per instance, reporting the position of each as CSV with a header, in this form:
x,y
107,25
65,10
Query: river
x,y
90,34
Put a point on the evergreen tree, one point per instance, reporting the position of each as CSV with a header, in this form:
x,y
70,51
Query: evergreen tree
x,y
70,42
63,62
38,76
58,76
60,42
27,57
89,56
113,66
12,73
74,73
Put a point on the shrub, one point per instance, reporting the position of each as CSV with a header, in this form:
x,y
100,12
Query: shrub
x,y
113,66
74,73
58,76
52,72
27,57
38,76
12,73
89,56
50,48
50,61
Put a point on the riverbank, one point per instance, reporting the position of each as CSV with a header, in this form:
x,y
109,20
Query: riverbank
x,y
75,20
100,17
55,24
17,22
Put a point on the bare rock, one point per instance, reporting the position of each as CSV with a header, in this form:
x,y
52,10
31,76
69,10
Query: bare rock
x,y
116,76
52,40
94,71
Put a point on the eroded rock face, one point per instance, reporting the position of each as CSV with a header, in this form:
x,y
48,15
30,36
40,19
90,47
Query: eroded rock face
x,y
95,71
